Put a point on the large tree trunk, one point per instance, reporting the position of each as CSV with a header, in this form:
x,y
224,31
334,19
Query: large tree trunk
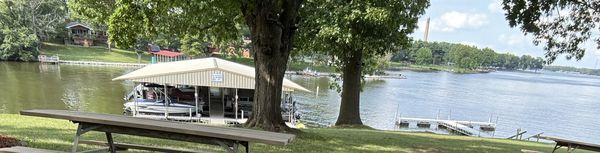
x,y
272,26
350,106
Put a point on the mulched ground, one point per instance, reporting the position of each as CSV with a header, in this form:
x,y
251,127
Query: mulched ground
x,y
8,141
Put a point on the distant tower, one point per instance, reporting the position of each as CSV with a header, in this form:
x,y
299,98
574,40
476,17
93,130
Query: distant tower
x,y
426,30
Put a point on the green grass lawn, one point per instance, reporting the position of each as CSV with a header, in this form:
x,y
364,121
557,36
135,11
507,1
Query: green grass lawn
x,y
58,135
100,54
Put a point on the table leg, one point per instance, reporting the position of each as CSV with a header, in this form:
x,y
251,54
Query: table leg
x,y
556,147
76,139
246,145
111,144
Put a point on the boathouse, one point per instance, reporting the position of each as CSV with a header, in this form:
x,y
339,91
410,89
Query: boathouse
x,y
220,89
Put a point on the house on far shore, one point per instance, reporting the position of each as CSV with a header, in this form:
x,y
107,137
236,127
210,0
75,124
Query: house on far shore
x,y
159,55
82,34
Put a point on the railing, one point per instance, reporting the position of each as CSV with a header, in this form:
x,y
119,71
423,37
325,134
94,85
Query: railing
x,y
519,135
537,136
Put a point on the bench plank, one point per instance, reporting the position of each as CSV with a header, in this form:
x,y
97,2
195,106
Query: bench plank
x,y
20,149
231,133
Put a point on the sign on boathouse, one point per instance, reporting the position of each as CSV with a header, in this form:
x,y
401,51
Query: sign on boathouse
x,y
217,77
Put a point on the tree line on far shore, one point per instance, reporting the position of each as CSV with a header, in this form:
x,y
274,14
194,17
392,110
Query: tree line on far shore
x,y
464,56
587,71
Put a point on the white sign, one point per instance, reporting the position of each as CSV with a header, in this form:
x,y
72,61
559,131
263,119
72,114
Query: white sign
x,y
217,77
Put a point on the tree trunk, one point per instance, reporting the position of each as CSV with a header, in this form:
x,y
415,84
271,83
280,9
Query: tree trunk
x,y
272,26
350,106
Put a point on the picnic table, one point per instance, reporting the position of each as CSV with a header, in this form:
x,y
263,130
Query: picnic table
x,y
571,144
227,137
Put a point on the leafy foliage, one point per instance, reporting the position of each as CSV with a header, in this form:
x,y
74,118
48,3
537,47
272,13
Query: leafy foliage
x,y
18,44
96,12
563,25
133,19
465,56
24,22
424,56
374,28
193,45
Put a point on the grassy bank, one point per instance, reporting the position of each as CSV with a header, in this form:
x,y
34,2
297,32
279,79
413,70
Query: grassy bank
x,y
429,68
99,54
58,135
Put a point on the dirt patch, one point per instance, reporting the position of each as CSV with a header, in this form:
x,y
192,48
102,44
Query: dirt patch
x,y
8,141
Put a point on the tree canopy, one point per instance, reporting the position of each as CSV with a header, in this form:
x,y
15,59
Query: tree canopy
x,y
356,34
563,26
24,23
424,56
468,57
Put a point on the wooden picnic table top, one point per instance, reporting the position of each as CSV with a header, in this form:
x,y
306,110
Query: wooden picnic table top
x,y
230,133
566,142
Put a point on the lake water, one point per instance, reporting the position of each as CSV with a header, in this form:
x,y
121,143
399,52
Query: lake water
x,y
558,104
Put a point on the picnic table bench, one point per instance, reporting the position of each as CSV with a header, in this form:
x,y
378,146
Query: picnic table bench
x,y
227,137
571,144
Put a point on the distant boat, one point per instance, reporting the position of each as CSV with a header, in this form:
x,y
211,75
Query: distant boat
x,y
308,72
158,107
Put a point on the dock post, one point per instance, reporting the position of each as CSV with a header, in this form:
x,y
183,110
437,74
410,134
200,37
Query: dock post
x,y
396,115
236,104
196,99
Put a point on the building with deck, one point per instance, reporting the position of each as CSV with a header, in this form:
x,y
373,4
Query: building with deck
x,y
85,35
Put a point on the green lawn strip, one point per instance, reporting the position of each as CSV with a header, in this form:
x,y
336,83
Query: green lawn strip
x,y
98,54
58,135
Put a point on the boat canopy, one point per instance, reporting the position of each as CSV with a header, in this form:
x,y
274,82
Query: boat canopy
x,y
209,72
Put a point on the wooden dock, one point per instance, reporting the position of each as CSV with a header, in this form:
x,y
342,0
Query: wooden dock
x,y
48,59
55,60
326,74
103,63
461,127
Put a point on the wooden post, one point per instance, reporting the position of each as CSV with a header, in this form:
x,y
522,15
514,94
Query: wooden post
x,y
236,104
317,93
135,102
518,131
196,98
166,103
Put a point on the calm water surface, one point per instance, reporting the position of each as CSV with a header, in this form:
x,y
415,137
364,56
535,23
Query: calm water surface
x,y
558,104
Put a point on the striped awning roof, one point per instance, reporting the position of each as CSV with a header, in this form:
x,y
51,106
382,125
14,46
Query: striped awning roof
x,y
210,72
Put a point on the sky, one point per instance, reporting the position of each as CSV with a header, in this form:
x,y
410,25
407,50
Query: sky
x,y
482,23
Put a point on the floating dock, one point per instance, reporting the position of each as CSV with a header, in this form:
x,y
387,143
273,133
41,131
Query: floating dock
x,y
103,63
48,59
326,74
462,127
